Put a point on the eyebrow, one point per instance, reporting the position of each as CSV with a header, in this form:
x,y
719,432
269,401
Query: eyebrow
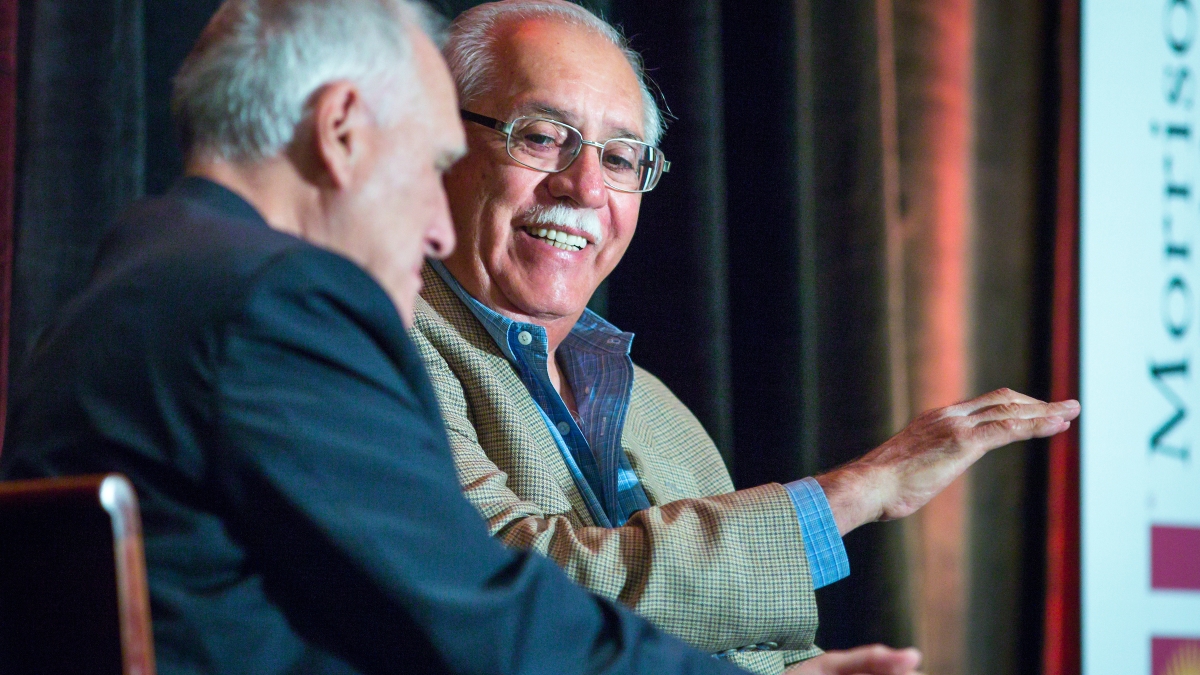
x,y
560,115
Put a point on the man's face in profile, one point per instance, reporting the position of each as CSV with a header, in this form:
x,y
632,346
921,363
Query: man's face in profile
x,y
398,210
572,75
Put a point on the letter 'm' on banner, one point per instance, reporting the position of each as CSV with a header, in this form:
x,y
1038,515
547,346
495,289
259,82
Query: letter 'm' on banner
x,y
1158,441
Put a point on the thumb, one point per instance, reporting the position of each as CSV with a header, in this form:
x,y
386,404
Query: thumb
x,y
871,660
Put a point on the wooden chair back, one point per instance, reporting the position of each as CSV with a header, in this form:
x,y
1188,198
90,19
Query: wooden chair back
x,y
73,592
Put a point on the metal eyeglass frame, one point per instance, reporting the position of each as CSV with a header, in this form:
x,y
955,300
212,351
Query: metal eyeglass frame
x,y
507,127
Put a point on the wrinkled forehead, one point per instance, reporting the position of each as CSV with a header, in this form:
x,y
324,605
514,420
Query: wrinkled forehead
x,y
565,71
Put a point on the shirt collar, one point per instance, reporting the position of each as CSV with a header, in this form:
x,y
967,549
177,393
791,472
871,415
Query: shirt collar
x,y
593,333
590,333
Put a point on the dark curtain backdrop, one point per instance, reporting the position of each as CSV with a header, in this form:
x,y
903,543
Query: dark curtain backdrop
x,y
856,226
8,115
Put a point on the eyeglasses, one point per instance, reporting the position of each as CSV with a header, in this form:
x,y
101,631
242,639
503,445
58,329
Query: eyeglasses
x,y
546,145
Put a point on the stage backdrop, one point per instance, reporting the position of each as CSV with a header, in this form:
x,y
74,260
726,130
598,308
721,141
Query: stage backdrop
x,y
1140,332
857,226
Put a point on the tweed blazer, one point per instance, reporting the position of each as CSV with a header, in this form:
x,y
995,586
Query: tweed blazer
x,y
726,571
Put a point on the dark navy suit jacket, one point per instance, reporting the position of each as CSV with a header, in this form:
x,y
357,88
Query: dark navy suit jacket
x,y
300,506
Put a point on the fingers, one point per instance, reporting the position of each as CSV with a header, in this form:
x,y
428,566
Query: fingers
x,y
999,425
992,398
872,660
1005,403
998,433
916,464
1068,410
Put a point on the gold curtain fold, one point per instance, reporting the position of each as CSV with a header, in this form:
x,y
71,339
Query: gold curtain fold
x,y
969,114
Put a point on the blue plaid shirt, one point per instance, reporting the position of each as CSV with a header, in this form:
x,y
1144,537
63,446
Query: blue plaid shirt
x,y
595,361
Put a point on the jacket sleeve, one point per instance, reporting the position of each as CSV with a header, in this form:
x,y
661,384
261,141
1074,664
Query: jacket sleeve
x,y
338,474
727,571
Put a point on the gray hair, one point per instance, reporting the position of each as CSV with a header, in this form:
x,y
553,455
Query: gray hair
x,y
248,82
470,49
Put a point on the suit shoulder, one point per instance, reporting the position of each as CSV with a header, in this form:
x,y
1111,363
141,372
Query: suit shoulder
x,y
182,272
655,403
324,304
195,224
175,244
649,390
319,309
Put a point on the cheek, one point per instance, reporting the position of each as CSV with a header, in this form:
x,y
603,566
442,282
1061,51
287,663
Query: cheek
x,y
500,196
406,207
431,196
624,210
461,179
514,188
468,186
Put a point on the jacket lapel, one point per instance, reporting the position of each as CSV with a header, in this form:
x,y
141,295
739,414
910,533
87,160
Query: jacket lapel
x,y
502,398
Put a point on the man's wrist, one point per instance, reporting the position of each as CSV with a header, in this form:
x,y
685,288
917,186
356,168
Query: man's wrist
x,y
854,492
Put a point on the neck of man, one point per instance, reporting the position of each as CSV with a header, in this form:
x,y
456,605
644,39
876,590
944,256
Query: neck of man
x,y
470,274
272,186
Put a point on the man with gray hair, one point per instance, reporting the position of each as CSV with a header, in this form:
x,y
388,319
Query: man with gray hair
x,y
561,442
241,355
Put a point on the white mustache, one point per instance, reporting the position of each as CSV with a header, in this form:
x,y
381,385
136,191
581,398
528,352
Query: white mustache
x,y
584,220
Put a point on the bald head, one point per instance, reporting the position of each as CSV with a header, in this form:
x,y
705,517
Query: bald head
x,y
471,48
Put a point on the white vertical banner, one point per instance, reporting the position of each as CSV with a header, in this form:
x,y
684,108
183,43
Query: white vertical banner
x,y
1140,337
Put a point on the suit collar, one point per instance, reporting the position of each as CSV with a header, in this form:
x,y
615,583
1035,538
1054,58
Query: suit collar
x,y
217,197
496,324
451,308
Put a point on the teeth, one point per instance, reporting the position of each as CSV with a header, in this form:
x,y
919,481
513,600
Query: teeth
x,y
559,239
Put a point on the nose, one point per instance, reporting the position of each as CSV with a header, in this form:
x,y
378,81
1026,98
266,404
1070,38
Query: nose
x,y
583,181
439,236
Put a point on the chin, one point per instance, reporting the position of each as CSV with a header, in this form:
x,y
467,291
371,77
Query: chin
x,y
404,297
534,301
406,308
545,288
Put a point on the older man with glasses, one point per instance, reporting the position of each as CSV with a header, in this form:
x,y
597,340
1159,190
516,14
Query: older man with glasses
x,y
565,445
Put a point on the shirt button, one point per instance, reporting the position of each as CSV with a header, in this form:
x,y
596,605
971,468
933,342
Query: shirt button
x,y
524,338
564,428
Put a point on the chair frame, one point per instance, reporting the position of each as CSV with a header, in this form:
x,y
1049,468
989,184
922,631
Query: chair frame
x,y
116,496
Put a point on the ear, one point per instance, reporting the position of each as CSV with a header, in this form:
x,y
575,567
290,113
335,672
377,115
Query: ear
x,y
341,126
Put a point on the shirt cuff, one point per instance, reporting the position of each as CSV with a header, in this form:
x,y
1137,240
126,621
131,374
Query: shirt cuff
x,y
827,561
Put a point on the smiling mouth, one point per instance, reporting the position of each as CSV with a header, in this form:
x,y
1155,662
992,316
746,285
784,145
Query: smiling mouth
x,y
557,238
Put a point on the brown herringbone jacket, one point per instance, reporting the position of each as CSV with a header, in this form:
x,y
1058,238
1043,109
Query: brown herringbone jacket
x,y
723,570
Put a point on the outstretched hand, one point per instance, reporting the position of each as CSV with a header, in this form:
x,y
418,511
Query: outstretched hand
x,y
872,660
903,474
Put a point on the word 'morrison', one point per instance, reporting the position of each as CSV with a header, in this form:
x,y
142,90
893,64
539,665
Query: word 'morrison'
x,y
1181,156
